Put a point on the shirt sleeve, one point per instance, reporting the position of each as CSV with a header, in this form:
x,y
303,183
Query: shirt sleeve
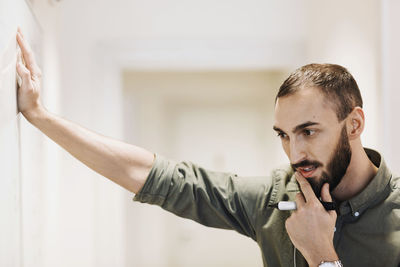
x,y
215,199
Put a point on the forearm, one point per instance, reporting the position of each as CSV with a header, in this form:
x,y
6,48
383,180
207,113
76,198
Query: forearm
x,y
125,164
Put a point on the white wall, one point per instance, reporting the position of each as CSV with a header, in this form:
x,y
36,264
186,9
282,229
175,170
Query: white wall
x,y
390,73
10,195
348,33
26,154
40,156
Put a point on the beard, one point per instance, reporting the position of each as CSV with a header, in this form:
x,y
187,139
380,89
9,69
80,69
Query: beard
x,y
336,167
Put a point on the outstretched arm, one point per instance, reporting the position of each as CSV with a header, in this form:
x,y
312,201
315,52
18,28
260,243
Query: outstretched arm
x,y
124,164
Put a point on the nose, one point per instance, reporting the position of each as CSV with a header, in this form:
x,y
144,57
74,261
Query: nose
x,y
297,152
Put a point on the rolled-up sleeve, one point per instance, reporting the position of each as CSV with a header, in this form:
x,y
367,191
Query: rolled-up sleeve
x,y
158,182
215,199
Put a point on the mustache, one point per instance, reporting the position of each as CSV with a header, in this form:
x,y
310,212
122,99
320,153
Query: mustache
x,y
306,163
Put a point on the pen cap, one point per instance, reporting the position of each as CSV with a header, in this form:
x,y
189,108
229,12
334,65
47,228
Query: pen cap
x,y
287,205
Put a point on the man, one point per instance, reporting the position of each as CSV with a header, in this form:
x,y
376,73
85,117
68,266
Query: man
x,y
319,118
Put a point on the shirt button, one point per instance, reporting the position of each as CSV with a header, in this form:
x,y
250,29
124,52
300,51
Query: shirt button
x,y
334,229
356,213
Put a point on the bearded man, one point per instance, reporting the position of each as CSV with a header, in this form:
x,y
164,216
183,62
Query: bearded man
x,y
319,118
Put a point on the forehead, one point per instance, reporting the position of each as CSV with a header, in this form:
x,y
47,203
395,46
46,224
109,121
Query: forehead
x,y
308,104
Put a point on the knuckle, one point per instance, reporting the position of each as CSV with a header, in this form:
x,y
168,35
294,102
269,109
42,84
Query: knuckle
x,y
315,204
299,199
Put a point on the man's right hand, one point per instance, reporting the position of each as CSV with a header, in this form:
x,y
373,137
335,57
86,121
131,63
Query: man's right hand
x,y
124,164
30,73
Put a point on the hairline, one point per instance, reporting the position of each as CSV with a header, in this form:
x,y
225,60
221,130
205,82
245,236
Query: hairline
x,y
334,105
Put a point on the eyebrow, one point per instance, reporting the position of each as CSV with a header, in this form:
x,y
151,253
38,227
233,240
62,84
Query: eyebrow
x,y
298,127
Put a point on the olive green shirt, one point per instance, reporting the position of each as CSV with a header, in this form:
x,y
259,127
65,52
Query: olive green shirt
x,y
367,227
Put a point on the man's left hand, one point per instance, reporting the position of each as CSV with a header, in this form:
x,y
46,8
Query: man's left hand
x,y
311,227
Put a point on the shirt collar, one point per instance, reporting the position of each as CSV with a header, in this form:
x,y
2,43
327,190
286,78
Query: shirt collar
x,y
376,188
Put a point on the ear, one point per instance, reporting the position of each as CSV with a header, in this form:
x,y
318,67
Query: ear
x,y
355,123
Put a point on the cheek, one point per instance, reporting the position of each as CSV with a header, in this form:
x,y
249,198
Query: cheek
x,y
285,146
324,148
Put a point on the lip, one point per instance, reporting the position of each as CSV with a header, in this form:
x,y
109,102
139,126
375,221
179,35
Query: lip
x,y
306,174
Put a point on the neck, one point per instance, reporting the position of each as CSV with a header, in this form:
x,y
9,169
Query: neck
x,y
358,175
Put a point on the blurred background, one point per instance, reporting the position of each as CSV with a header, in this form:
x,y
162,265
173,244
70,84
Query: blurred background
x,y
191,80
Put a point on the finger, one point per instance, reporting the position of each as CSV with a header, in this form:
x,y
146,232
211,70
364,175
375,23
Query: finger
x,y
24,46
325,194
306,188
19,57
27,54
300,201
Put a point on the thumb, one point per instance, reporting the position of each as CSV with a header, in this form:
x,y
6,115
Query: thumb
x,y
325,194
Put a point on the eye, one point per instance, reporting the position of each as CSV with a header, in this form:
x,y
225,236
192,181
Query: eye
x,y
282,135
308,132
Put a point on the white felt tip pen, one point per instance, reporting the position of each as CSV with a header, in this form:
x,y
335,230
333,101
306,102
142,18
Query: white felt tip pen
x,y
291,205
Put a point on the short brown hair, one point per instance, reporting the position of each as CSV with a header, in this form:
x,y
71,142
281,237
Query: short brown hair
x,y
335,81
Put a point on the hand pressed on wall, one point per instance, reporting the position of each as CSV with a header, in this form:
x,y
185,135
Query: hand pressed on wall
x,y
30,73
